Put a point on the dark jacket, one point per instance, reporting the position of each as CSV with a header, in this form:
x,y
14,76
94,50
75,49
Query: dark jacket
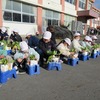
x,y
1,36
46,46
53,38
33,41
16,37
5,36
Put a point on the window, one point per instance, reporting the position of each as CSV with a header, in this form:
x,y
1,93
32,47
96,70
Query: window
x,y
89,6
25,18
16,6
16,17
7,16
71,1
19,12
68,21
7,4
32,19
82,4
25,8
50,18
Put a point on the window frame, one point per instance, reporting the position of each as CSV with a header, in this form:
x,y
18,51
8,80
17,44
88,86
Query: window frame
x,y
82,4
71,1
21,12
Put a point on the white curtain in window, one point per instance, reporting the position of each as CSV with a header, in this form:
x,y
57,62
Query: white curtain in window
x,y
56,15
4,4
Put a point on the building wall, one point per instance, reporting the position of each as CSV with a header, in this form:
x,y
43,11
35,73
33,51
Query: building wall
x,y
60,6
52,4
30,1
70,9
23,28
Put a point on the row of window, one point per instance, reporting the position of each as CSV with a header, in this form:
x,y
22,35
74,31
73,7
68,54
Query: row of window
x,y
20,12
82,3
71,1
18,6
13,16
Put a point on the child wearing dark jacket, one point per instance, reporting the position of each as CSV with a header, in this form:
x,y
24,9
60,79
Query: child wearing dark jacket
x,y
46,45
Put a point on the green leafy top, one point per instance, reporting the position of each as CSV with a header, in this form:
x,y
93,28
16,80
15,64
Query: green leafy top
x,y
15,45
96,46
32,57
4,44
3,61
9,59
72,50
53,54
8,43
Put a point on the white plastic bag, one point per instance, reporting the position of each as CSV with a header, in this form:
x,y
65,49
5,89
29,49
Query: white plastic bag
x,y
4,68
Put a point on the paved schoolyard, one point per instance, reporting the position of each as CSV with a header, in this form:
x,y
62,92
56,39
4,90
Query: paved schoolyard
x,y
72,83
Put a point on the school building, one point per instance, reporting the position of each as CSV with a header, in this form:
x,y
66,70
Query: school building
x,y
36,15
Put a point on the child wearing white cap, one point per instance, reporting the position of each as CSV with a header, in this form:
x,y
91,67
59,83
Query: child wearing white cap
x,y
4,33
64,47
22,56
86,42
15,36
94,38
46,44
75,43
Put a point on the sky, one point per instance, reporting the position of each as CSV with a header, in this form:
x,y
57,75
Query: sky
x,y
97,4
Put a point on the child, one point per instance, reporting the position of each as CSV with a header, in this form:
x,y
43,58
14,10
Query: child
x,y
22,56
75,43
86,42
33,42
64,48
15,36
4,33
46,45
94,38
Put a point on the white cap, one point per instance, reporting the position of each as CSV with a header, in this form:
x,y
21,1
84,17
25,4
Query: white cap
x,y
16,30
76,34
94,37
68,41
90,40
28,34
23,46
87,38
47,35
3,29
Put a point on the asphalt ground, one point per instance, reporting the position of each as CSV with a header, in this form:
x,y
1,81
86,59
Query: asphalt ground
x,y
81,82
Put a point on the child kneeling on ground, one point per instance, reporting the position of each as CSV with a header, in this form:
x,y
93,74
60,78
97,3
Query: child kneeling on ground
x,y
22,56
64,49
